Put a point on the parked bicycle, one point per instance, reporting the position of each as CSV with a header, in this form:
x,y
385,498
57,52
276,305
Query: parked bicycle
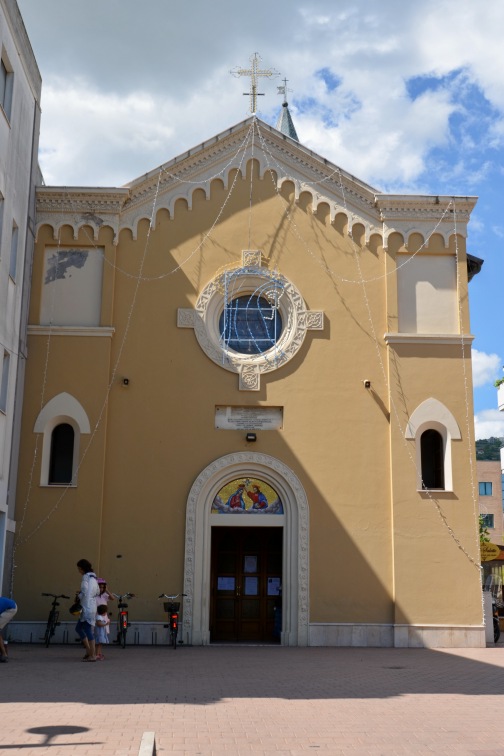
x,y
122,618
495,617
172,608
53,619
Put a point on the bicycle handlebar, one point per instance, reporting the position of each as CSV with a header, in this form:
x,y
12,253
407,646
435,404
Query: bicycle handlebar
x,y
120,596
165,595
61,595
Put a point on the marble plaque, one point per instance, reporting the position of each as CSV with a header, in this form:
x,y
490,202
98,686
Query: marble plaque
x,y
249,418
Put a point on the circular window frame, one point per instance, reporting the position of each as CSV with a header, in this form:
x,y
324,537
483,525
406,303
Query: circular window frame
x,y
210,306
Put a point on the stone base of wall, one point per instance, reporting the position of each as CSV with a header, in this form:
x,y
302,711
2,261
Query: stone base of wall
x,y
397,636
319,634
140,633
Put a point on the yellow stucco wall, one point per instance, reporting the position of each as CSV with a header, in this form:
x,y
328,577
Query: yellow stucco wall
x,y
379,551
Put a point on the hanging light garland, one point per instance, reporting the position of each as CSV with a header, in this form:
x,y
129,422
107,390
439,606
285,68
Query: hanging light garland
x,y
271,292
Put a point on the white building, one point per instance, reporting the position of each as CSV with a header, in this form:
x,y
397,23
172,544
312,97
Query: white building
x,y
20,87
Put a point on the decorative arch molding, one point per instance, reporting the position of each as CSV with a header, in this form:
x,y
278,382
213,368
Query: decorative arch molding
x,y
63,405
426,240
434,415
295,542
445,234
429,411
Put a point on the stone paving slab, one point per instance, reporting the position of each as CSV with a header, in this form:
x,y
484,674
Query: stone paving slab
x,y
253,700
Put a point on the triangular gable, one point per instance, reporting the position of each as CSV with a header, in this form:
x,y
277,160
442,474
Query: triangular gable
x,y
219,158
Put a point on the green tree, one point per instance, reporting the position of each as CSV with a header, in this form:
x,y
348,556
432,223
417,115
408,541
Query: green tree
x,y
484,535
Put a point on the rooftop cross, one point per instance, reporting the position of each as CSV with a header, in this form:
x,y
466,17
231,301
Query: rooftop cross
x,y
254,72
283,90
284,122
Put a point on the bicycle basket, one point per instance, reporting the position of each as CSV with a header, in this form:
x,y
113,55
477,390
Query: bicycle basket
x,y
76,608
171,606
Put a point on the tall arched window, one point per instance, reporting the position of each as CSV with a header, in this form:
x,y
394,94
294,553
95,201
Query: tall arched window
x,y
62,454
432,456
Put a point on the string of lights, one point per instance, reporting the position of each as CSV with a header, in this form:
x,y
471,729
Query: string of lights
x,y
217,175
363,282
17,539
112,380
207,236
139,278
350,215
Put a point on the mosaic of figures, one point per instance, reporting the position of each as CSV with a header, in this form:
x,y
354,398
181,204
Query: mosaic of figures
x,y
247,496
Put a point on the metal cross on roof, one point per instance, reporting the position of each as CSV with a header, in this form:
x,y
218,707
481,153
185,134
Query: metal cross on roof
x,y
284,89
254,72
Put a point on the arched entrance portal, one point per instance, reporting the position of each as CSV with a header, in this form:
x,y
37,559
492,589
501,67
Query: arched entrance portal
x,y
198,542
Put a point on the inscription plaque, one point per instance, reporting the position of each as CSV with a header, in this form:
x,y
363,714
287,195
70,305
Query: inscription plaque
x,y
249,418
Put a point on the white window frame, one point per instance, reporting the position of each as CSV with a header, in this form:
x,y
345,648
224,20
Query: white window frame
x,y
62,408
13,262
6,85
4,385
433,415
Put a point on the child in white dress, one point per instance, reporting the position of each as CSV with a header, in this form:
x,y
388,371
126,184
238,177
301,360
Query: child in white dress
x,y
101,630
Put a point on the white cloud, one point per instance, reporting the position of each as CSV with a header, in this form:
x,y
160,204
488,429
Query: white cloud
x,y
130,100
486,368
123,92
489,424
108,140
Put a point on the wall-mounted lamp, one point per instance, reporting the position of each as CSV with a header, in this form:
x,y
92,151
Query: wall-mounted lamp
x,y
251,437
125,381
367,384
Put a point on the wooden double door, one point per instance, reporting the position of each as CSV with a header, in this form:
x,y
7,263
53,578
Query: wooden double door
x,y
246,580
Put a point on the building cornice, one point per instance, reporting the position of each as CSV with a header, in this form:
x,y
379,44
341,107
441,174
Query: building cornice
x,y
423,338
279,157
55,330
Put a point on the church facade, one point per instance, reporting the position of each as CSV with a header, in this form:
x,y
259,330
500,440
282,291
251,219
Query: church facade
x,y
249,379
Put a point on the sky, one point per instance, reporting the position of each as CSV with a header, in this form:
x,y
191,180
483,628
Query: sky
x,y
408,97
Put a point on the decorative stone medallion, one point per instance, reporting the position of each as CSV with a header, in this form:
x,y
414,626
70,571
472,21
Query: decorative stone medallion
x,y
250,320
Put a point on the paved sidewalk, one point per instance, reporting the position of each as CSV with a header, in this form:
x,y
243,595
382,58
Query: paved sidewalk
x,y
253,700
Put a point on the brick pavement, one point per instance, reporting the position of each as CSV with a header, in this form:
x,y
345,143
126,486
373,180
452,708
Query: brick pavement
x,y
252,700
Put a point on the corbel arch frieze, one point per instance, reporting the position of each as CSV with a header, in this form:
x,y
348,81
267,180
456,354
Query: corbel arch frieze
x,y
57,224
407,233
75,208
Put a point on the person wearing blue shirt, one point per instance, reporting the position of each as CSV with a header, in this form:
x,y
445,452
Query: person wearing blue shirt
x,y
8,609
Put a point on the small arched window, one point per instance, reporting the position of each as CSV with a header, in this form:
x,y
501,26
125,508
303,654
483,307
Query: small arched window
x,y
432,456
62,455
433,428
62,422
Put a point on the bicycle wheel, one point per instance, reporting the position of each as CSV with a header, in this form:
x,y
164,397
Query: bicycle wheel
x,y
496,629
51,626
173,637
123,629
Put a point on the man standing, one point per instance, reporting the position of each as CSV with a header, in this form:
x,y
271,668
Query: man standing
x,y
8,609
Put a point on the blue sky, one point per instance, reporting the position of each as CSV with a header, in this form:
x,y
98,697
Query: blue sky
x,y
407,97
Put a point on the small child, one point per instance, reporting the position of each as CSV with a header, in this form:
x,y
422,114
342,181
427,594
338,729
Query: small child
x,y
101,630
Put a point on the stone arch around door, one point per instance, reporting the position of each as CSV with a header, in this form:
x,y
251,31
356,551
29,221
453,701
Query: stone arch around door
x,y
295,543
